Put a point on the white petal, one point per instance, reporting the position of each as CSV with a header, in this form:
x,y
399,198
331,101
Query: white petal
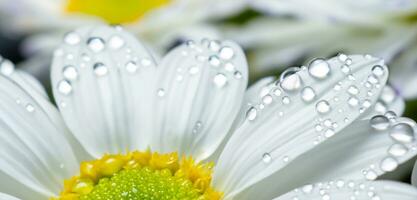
x,y
101,78
34,148
363,150
358,190
200,89
313,105
414,176
7,197
389,100
404,74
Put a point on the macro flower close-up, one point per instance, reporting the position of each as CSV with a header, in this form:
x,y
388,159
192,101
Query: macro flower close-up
x,y
124,124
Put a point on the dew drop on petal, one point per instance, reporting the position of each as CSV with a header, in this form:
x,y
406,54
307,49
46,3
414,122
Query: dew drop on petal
x,y
160,92
229,67
237,74
266,158
353,90
286,100
30,108
378,70
397,150
226,53
100,69
116,42
145,62
371,175
308,94
267,99
193,70
64,87
389,164
402,132
251,114
323,107
291,82
72,38
380,122
6,67
342,57
95,44
319,68
131,67
220,80
353,101
70,72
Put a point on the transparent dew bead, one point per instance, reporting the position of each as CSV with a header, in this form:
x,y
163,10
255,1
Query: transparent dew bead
x,y
131,67
308,94
251,114
380,122
397,149
229,67
100,69
220,80
291,82
226,53
29,107
342,57
70,72
323,107
388,164
72,38
214,45
193,70
6,67
390,115
64,87
307,189
378,70
353,90
237,75
402,132
353,101
160,92
266,158
371,175
319,68
95,44
116,42
267,99
214,61
145,62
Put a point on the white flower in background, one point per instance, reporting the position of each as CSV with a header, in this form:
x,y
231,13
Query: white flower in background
x,y
296,30
160,23
316,129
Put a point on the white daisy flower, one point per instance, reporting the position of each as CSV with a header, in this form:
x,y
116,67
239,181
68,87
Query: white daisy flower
x,y
184,127
160,23
301,30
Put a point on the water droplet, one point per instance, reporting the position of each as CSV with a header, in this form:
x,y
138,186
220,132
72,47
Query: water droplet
x,y
291,82
323,107
286,100
319,68
308,94
214,61
145,62
329,133
267,99
100,69
251,113
379,122
160,92
389,164
214,45
220,80
64,87
237,74
70,72
116,42
402,132
131,67
277,92
371,175
193,70
342,57
390,115
29,107
378,70
95,44
226,53
307,189
229,67
345,69
397,150
353,101
372,79
72,38
6,67
266,158
353,90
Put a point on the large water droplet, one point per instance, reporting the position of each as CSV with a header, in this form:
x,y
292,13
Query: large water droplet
x,y
70,72
266,158
291,82
389,164
402,132
398,150
226,53
116,42
378,70
323,107
308,94
72,38
6,67
100,69
319,68
64,87
379,122
131,67
251,114
220,80
95,44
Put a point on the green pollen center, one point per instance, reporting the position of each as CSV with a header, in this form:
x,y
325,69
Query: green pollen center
x,y
143,184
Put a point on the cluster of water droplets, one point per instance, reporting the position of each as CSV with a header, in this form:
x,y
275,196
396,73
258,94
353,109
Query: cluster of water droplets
x,y
402,134
338,89
325,190
80,53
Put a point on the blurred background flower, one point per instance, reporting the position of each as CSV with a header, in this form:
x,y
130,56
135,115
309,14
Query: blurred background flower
x,y
276,34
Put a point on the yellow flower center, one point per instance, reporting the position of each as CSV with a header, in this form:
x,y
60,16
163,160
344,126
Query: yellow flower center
x,y
141,176
114,11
